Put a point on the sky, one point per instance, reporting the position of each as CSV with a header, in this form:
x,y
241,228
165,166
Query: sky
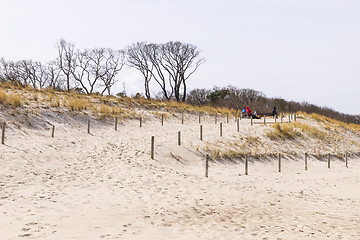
x,y
301,50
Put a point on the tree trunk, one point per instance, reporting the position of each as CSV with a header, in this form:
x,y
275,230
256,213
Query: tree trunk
x,y
184,93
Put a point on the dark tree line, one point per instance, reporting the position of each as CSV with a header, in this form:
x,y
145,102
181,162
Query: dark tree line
x,y
236,98
89,70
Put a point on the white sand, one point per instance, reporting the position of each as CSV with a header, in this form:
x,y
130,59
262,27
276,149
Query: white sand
x,y
106,186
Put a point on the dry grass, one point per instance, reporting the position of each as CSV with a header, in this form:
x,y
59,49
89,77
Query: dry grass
x,y
3,97
76,104
250,140
55,102
11,99
14,100
355,128
107,111
158,114
310,130
283,131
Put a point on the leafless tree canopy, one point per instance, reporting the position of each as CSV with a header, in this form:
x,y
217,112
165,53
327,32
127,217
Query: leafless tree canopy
x,y
66,60
89,69
114,62
29,72
138,57
97,68
54,76
180,60
9,72
170,65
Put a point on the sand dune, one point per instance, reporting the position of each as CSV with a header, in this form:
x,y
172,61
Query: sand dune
x,y
104,185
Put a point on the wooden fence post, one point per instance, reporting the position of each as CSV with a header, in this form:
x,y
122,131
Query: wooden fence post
x,y
282,118
215,118
289,118
152,146
294,117
201,133
346,159
238,125
116,123
306,161
279,162
251,121
264,121
227,118
182,118
199,118
3,133
53,131
179,138
246,164
140,121
89,126
328,160
221,129
207,165
162,119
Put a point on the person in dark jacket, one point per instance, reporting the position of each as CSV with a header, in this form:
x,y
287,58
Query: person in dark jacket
x,y
274,113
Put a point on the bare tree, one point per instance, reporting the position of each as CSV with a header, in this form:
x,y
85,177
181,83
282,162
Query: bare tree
x,y
160,74
170,65
20,72
33,73
9,72
113,63
180,60
29,72
53,74
138,57
66,60
97,68
81,71
198,96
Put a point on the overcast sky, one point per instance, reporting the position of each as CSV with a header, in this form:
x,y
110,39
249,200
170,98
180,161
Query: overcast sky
x,y
302,50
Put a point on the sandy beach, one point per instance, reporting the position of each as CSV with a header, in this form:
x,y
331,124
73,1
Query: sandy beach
x,y
104,185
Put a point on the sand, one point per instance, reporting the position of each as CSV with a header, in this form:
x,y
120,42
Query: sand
x,y
104,185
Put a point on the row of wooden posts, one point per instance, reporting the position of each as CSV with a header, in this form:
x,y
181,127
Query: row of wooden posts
x,y
207,158
162,123
179,143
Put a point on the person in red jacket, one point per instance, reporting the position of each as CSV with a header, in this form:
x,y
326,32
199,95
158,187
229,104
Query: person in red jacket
x,y
248,111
